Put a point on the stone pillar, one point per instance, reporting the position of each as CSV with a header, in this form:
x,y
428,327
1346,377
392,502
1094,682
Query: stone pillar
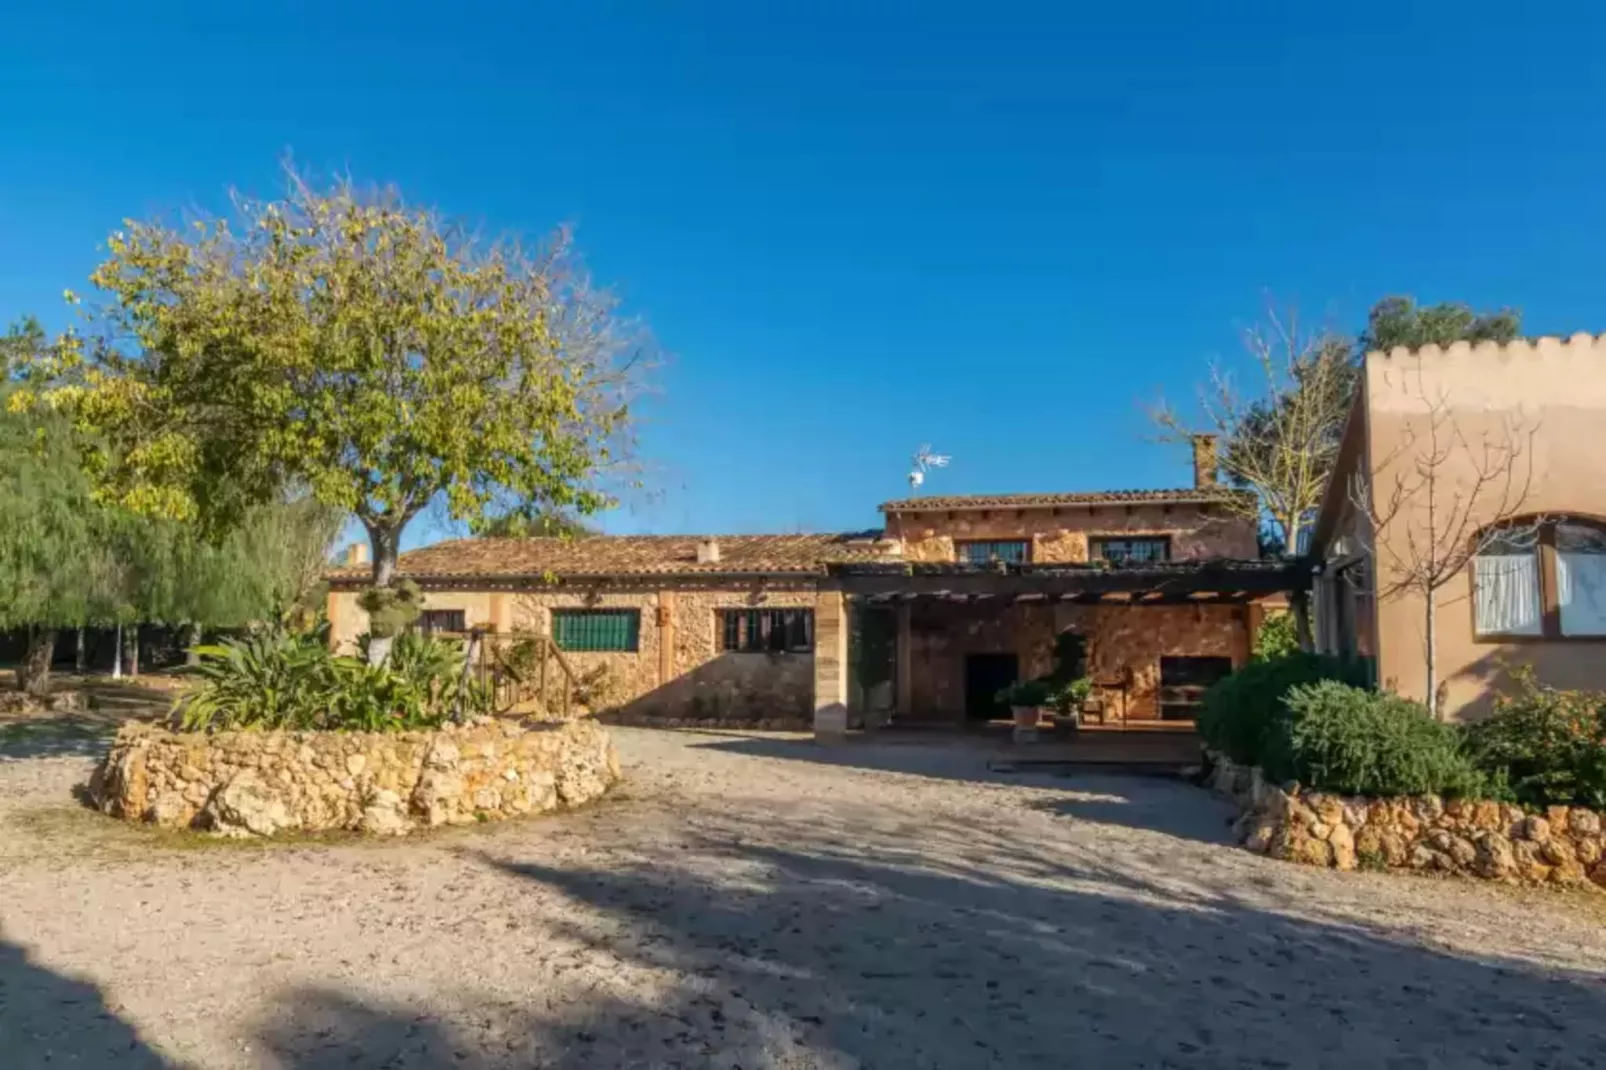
x,y
666,637
905,666
830,667
501,614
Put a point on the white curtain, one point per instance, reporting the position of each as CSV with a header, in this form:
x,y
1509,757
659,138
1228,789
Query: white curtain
x,y
1506,589
1581,590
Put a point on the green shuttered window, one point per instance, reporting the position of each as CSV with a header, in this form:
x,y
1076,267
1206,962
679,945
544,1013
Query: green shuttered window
x,y
597,630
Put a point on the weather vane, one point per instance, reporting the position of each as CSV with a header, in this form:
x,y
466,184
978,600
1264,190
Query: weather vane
x,y
924,461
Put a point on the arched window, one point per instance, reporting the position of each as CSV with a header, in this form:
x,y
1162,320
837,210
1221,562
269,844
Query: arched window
x,y
1541,579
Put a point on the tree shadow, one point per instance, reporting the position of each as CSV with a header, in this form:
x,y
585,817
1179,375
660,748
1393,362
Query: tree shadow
x,y
58,737
822,943
47,1019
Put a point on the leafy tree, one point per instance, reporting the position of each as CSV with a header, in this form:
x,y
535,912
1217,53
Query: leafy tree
x,y
1400,321
545,522
354,344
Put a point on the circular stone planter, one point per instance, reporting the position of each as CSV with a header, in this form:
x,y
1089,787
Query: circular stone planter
x,y
384,783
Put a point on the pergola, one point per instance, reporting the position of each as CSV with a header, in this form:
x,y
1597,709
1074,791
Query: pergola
x,y
1218,582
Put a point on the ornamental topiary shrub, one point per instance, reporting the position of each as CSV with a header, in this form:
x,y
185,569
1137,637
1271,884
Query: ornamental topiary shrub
x,y
1238,710
1334,737
1547,747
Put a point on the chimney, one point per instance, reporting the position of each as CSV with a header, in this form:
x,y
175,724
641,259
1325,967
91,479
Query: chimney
x,y
708,551
1204,460
356,554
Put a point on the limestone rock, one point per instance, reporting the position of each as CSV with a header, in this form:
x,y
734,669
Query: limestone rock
x,y
1536,829
172,810
1531,865
1588,849
385,815
1342,843
1581,822
1260,835
1494,858
247,806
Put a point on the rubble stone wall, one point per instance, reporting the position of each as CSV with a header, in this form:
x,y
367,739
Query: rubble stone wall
x,y
1494,841
388,783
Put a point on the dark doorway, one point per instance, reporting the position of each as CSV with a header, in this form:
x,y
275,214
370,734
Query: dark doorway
x,y
985,676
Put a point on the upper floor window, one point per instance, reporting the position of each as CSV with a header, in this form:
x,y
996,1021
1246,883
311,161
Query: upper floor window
x,y
1541,579
774,631
1143,550
978,552
597,630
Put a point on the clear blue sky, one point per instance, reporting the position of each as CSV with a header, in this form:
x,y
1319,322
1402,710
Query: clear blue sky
x,y
857,227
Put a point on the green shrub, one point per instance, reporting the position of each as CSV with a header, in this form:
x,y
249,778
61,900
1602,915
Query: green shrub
x,y
1026,693
1239,710
1068,698
1334,737
1547,747
273,679
1277,638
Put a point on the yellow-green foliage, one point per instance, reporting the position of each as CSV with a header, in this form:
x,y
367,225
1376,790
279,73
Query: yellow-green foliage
x,y
352,344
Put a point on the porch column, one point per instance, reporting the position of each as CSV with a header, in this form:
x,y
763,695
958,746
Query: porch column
x,y
904,674
501,614
830,667
1254,617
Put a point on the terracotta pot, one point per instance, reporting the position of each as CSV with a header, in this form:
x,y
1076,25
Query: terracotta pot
x,y
1026,716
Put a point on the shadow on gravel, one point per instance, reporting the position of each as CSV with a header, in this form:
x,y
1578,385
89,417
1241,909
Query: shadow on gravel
x,y
808,944
49,1020
55,738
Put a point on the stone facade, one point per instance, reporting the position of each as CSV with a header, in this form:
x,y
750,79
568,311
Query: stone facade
x,y
261,783
1060,534
1494,841
677,674
943,634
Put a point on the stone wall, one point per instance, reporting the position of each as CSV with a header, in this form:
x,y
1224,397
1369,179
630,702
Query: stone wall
x,y
1494,841
677,675
943,634
1060,535
261,783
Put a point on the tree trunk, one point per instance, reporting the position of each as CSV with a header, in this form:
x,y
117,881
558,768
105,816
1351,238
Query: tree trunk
x,y
192,639
117,654
33,675
386,545
80,654
1433,656
133,653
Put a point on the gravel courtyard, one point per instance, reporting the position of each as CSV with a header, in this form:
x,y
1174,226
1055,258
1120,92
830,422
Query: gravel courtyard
x,y
758,902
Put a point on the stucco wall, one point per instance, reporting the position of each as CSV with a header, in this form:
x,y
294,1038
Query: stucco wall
x,y
943,634
1555,391
1060,535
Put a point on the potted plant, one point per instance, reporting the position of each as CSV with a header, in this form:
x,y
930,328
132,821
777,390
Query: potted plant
x,y
1069,698
1025,699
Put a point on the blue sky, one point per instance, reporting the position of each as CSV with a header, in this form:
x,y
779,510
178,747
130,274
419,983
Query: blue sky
x,y
857,227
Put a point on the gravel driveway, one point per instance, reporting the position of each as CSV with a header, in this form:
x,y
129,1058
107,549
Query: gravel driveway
x,y
758,902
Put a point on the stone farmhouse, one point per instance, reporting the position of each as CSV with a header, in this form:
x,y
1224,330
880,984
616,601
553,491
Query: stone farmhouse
x,y
1487,457
921,621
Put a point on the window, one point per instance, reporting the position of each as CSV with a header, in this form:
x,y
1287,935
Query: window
x,y
442,620
1505,585
597,630
1016,552
1144,550
775,631
1544,579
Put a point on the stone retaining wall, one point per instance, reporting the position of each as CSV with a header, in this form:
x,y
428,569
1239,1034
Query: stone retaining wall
x,y
388,783
1495,841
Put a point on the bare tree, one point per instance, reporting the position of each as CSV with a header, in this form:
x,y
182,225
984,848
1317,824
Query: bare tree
x,y
1449,497
1281,440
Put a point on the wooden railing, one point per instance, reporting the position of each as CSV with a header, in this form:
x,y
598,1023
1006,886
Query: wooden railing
x,y
525,673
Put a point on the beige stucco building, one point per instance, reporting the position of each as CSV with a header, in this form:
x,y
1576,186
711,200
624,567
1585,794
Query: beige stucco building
x,y
920,621
1476,470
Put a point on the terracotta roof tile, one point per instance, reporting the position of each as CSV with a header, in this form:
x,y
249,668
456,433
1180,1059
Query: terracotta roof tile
x,y
631,555
1182,496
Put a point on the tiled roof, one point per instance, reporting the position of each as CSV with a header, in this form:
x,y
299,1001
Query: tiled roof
x,y
630,555
1183,496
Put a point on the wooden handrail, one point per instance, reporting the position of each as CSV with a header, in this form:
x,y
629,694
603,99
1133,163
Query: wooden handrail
x,y
511,689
